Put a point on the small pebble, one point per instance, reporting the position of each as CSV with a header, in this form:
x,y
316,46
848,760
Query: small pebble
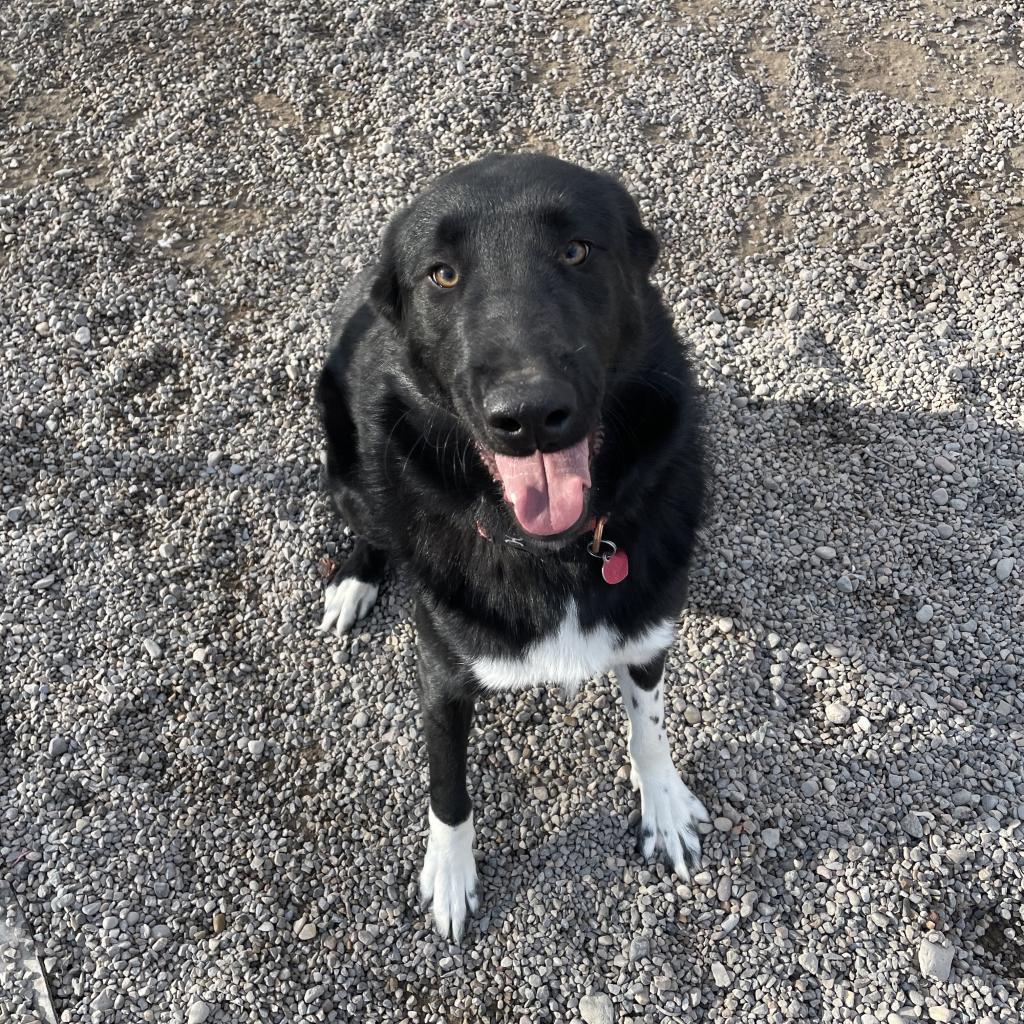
x,y
198,1012
639,948
911,824
837,713
808,961
935,959
597,1008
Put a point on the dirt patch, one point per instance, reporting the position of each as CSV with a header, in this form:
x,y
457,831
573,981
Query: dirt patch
x,y
974,59
26,155
279,112
199,235
773,67
559,78
579,21
532,143
7,77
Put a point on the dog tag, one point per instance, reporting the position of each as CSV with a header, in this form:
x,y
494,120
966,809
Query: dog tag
x,y
616,567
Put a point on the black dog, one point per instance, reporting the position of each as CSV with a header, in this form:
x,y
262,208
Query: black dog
x,y
510,420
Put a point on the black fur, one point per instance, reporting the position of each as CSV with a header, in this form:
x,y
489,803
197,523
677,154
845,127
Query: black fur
x,y
647,676
401,403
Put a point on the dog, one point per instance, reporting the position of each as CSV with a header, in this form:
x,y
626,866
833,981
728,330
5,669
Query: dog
x,y
511,423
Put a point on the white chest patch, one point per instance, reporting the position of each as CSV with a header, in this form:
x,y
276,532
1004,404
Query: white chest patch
x,y
571,655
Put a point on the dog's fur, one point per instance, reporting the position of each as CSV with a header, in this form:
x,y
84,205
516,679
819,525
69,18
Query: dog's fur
x,y
403,397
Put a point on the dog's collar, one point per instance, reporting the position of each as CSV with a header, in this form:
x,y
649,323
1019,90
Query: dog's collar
x,y
614,561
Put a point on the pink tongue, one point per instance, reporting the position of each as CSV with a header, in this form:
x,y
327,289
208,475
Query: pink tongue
x,y
546,490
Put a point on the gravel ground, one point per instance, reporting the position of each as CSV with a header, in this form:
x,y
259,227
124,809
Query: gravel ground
x,y
210,811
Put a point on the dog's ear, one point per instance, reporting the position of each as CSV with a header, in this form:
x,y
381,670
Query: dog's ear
x,y
386,292
386,289
643,244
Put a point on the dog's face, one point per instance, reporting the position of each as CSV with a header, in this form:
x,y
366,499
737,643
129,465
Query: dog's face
x,y
515,282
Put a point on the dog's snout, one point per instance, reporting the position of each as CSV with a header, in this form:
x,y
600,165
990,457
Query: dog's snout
x,y
525,415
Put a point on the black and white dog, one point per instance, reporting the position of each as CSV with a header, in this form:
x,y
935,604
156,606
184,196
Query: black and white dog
x,y
510,421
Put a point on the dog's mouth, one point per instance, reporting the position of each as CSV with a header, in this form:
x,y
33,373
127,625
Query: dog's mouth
x,y
546,490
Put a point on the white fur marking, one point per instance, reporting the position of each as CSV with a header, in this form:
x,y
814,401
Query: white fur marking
x,y
448,878
669,811
571,655
346,601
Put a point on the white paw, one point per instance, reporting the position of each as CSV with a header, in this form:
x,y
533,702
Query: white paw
x,y
346,601
669,817
448,879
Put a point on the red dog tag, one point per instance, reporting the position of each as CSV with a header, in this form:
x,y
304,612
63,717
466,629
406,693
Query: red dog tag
x,y
616,567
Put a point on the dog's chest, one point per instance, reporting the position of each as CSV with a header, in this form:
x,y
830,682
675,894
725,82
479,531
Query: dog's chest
x,y
571,654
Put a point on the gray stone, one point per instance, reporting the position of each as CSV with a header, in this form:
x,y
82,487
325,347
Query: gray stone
x,y
911,824
838,713
199,1012
597,1008
722,977
935,958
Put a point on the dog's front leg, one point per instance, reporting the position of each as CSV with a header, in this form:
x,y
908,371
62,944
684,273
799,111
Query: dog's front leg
x,y
669,811
448,879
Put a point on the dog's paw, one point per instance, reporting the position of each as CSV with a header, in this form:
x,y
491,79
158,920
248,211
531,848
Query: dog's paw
x,y
346,600
669,817
448,880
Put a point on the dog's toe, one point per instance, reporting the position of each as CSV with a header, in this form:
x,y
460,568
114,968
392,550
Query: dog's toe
x,y
669,820
448,881
345,601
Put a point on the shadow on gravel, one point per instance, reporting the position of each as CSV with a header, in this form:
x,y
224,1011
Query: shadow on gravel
x,y
862,482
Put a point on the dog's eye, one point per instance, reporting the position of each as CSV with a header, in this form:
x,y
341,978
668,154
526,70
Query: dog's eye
x,y
444,276
575,253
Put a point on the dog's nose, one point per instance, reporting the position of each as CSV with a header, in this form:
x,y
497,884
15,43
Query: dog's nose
x,y
525,415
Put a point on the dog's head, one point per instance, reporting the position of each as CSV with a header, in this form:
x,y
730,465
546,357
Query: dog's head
x,y
516,283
